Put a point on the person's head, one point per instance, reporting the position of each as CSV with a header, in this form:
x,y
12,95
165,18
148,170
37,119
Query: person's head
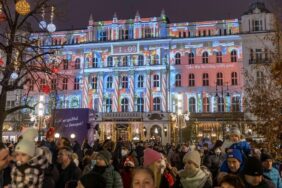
x,y
143,178
234,160
231,181
253,171
50,134
65,156
91,180
153,159
192,161
267,161
234,134
4,156
62,142
124,151
26,148
104,158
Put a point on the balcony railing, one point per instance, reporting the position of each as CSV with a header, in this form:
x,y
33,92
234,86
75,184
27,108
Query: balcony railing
x,y
259,61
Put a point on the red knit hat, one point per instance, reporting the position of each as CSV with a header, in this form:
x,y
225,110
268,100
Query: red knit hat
x,y
150,156
50,133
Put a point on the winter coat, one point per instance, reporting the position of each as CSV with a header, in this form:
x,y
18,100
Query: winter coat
x,y
202,179
70,173
51,177
243,146
126,176
112,177
274,176
264,184
31,174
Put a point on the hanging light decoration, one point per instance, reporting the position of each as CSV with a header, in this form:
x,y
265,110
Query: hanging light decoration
x,y
51,27
16,63
22,7
43,23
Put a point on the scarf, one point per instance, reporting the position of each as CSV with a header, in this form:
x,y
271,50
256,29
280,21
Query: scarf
x,y
198,180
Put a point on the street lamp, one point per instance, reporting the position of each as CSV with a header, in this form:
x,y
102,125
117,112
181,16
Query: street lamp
x,y
40,114
72,136
57,135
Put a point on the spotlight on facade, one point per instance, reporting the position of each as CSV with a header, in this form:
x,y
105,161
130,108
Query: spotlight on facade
x,y
57,135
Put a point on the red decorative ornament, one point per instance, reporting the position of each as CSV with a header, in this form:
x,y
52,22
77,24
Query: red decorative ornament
x,y
55,70
46,89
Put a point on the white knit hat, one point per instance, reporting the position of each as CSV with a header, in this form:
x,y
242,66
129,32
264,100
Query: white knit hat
x,y
235,131
193,156
27,144
27,147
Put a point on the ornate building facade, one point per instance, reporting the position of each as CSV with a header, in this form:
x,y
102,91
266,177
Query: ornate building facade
x,y
141,76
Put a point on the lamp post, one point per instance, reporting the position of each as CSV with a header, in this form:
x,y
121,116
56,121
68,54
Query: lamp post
x,y
221,106
40,114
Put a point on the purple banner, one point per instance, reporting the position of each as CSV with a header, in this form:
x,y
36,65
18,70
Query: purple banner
x,y
72,121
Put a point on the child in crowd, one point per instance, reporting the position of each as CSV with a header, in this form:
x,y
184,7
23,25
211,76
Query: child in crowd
x,y
238,143
231,181
30,162
143,177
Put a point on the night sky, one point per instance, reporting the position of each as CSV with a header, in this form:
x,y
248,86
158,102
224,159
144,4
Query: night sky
x,y
75,13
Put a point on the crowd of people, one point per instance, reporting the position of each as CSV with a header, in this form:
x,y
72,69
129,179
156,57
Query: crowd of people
x,y
61,163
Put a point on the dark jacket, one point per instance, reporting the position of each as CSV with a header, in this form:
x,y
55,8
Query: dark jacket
x,y
71,173
51,177
112,177
264,184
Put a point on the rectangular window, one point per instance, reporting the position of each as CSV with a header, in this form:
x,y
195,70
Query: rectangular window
x,y
53,84
76,84
65,84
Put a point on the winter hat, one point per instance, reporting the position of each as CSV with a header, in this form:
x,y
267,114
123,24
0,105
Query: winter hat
x,y
253,167
193,156
27,144
50,133
150,156
235,153
235,131
93,180
265,156
105,155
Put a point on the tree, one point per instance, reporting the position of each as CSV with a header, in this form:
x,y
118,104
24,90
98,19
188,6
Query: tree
x,y
263,89
24,61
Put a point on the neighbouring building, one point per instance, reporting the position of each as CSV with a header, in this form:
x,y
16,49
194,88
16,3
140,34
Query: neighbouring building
x,y
142,76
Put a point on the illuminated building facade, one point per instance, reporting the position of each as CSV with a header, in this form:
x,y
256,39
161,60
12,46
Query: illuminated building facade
x,y
139,75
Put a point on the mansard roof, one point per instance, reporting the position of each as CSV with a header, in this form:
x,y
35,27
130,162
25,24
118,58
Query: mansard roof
x,y
257,5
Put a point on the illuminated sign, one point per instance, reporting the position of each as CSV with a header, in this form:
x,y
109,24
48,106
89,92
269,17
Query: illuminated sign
x,y
125,49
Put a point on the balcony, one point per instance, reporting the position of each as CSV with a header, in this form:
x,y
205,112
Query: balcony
x,y
122,116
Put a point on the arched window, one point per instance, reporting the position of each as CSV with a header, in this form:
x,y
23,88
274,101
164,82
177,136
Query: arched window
x,y
110,61
124,105
205,58
94,82
156,59
124,82
233,56
77,63
218,57
219,79
220,104
140,104
156,81
234,79
140,83
205,79
140,60
94,62
157,104
124,61
235,104
191,58
177,59
192,104
76,84
206,104
191,80
109,82
109,103
178,80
